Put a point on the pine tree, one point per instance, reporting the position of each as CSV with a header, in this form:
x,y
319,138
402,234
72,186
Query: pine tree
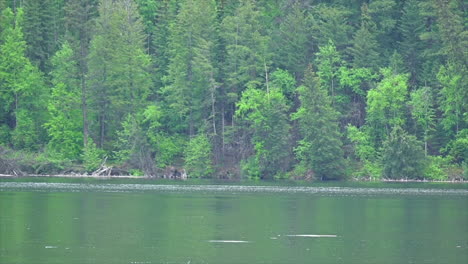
x,y
22,87
292,42
191,92
365,47
247,58
65,125
331,23
403,157
411,47
43,27
118,68
320,147
79,18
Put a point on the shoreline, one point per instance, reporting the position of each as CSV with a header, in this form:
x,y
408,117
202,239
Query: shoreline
x,y
84,176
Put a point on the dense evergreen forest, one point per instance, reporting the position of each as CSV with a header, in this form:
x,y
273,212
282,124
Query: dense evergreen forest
x,y
301,89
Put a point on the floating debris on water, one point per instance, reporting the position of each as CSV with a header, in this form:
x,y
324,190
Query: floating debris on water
x,y
228,241
307,235
51,247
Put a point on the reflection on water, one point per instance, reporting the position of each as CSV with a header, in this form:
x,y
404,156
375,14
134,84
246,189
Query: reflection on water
x,y
145,223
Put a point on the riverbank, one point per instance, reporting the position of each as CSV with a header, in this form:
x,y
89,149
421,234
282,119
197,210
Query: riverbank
x,y
90,176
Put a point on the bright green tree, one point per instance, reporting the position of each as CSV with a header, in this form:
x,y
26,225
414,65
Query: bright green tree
x,y
386,104
265,113
454,97
65,125
198,157
320,146
22,89
423,111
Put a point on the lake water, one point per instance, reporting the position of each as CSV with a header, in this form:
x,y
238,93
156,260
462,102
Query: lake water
x,y
124,221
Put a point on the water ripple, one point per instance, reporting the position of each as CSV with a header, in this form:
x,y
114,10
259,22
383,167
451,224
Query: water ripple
x,y
78,187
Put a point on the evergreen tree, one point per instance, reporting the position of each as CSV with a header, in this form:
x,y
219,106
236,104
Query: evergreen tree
x,y
320,147
365,47
292,42
403,157
191,92
411,46
43,27
247,58
65,125
198,157
79,21
331,23
118,69
22,89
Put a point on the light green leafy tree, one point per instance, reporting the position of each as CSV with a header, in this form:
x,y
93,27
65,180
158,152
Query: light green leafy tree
x,y
266,115
22,88
423,112
198,157
386,104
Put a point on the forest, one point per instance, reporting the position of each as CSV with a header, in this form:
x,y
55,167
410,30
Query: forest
x,y
235,89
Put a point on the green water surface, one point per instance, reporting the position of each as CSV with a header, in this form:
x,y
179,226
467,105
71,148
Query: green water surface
x,y
126,222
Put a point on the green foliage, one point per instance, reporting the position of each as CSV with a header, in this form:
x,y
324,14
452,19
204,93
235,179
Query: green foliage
x,y
119,76
453,98
191,77
92,156
366,153
198,157
292,41
143,77
423,111
266,115
65,124
320,146
458,148
22,89
386,105
246,46
402,156
365,46
436,168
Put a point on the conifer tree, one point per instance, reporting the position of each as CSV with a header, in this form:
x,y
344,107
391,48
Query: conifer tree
x,y
248,57
22,89
292,42
365,46
191,92
65,123
118,68
320,147
410,46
